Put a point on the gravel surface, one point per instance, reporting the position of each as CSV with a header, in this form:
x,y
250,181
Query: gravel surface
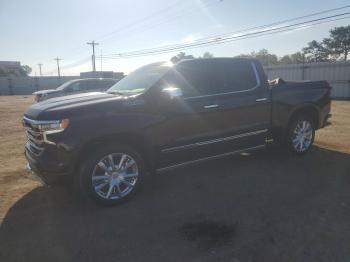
x,y
263,206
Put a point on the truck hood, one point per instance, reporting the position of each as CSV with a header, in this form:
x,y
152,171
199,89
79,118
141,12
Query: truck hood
x,y
72,106
48,91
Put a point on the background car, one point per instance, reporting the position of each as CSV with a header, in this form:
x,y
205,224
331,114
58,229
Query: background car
x,y
76,86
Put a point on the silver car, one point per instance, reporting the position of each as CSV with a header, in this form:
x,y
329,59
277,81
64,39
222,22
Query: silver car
x,y
76,86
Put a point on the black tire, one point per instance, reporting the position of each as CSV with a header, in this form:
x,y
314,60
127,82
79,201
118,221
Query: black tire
x,y
90,164
299,147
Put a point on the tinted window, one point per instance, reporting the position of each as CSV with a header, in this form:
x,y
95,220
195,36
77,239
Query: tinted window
x,y
232,76
92,85
74,87
173,78
216,76
87,85
194,77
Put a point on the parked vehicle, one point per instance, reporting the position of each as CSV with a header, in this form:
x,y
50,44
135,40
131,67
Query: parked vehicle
x,y
165,116
75,87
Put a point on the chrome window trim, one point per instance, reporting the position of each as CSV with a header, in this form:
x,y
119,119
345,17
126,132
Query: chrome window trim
x,y
258,83
160,170
193,145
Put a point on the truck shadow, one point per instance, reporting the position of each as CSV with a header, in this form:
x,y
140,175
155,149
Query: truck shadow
x,y
263,206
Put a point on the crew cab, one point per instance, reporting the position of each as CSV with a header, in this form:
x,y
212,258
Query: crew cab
x,y
75,86
164,116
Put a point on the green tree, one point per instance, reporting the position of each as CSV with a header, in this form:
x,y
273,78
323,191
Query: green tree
x,y
25,70
263,56
296,58
180,56
316,52
286,59
338,43
266,58
208,55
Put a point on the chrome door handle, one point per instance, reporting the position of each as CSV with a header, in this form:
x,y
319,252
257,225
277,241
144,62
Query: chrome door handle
x,y
211,106
261,99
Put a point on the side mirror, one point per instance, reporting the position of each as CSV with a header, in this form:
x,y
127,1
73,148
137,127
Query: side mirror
x,y
172,92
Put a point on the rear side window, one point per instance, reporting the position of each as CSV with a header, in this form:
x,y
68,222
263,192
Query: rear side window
x,y
85,85
210,77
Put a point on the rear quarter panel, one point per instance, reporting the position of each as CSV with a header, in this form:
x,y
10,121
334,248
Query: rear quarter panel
x,y
287,100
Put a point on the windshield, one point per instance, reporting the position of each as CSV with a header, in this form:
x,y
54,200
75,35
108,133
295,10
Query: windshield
x,y
63,86
140,80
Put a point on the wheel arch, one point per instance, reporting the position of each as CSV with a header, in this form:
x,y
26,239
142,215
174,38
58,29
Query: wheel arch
x,y
306,109
134,140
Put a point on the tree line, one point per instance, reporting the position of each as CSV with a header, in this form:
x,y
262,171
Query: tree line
x,y
24,70
336,47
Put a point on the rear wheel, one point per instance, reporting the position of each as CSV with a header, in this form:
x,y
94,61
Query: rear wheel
x,y
301,134
112,175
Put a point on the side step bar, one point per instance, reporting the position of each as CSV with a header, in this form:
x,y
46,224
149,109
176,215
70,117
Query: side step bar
x,y
164,169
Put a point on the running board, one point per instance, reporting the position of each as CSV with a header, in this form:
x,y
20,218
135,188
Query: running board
x,y
163,169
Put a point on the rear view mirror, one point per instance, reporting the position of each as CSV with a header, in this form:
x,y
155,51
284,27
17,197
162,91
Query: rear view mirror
x,y
172,92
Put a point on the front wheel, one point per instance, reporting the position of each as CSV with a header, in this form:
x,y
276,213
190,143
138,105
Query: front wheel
x,y
301,134
112,175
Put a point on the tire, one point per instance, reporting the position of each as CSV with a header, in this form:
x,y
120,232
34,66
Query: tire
x,y
111,185
300,135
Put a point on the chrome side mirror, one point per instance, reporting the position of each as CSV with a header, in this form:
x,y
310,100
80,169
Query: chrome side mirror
x,y
172,92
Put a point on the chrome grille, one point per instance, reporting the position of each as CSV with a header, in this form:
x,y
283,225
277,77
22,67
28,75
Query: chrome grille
x,y
34,137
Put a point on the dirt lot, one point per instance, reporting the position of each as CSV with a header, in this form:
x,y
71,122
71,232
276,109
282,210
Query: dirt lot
x,y
265,206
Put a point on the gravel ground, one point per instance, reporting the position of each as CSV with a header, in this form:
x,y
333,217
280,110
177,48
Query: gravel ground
x,y
264,206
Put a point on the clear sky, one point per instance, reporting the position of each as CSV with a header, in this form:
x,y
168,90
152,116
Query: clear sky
x,y
36,31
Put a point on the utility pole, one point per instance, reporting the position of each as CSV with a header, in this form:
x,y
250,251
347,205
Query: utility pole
x,y
101,60
58,67
40,65
93,43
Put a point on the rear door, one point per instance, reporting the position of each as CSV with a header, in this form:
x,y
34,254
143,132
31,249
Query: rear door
x,y
239,104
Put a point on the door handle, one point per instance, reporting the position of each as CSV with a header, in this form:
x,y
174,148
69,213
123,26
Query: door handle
x,y
261,99
210,106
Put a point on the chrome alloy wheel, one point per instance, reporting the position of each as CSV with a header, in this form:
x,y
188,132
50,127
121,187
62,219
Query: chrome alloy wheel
x,y
302,136
115,176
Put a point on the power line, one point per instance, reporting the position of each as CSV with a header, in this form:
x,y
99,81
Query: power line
x,y
142,20
213,40
77,63
93,43
160,12
183,12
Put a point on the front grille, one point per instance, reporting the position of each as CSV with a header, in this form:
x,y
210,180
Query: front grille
x,y
35,138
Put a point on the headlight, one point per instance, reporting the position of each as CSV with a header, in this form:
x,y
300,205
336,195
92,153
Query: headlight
x,y
58,125
53,127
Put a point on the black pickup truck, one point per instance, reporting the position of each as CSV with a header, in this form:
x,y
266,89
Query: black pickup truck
x,y
164,116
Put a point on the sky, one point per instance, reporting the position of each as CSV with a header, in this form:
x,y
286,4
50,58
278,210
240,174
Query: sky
x,y
37,31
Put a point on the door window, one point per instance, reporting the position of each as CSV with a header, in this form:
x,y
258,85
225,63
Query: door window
x,y
217,76
74,87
